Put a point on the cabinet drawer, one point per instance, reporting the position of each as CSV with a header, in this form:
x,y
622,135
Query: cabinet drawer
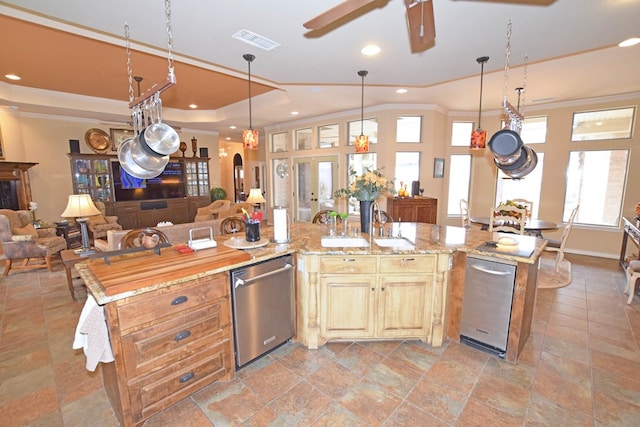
x,y
176,339
161,389
142,309
408,264
348,265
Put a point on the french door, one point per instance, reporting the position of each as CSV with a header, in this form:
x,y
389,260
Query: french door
x,y
316,179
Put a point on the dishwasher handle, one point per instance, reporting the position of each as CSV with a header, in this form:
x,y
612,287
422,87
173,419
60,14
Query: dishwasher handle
x,y
240,282
489,271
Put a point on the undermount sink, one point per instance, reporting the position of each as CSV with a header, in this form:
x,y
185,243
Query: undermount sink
x,y
343,242
395,242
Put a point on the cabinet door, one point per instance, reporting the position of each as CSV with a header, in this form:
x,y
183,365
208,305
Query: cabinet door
x,y
347,305
404,306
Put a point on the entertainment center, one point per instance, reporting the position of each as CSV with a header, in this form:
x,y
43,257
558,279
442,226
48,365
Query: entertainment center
x,y
175,195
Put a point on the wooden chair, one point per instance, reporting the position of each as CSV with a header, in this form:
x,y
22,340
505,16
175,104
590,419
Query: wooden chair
x,y
509,219
231,224
381,217
323,217
558,245
464,214
134,238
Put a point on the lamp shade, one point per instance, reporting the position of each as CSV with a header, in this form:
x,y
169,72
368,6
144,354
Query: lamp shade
x,y
250,139
255,196
79,206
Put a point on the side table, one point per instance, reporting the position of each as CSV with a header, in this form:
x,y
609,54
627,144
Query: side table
x,y
71,234
70,258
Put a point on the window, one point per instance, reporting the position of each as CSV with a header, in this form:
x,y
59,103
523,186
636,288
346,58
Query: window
x,y
303,139
408,128
459,181
534,130
279,142
369,127
595,181
407,168
359,163
527,188
461,134
603,124
328,136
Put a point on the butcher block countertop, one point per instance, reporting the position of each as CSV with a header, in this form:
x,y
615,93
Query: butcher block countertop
x,y
132,274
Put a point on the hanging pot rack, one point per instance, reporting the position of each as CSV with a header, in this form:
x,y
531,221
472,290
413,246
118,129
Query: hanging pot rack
x,y
146,109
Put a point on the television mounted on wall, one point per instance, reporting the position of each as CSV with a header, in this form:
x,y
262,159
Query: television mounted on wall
x,y
170,184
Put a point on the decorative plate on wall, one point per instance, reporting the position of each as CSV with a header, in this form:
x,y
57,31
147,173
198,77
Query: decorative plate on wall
x,y
98,140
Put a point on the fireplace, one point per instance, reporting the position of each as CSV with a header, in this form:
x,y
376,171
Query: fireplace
x,y
15,187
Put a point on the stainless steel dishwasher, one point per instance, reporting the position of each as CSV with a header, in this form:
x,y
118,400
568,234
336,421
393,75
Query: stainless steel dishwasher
x,y
486,305
263,307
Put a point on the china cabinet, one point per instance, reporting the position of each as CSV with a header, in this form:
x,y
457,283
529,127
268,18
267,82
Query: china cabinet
x,y
91,174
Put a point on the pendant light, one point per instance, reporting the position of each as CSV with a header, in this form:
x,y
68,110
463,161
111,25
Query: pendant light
x,y
479,136
249,136
362,141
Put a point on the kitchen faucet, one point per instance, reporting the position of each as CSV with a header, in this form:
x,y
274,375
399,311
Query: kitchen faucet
x,y
374,206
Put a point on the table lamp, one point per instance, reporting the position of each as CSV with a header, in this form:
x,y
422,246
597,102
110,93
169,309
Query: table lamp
x,y
255,198
80,206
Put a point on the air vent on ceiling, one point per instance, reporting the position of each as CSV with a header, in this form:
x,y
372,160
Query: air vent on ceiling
x,y
255,40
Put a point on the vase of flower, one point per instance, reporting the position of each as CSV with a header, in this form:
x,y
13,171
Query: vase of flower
x,y
365,215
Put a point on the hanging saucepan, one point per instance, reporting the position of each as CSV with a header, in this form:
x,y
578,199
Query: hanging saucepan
x,y
158,136
511,156
132,168
145,157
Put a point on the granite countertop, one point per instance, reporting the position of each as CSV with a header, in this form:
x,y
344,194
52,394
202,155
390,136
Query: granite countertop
x,y
306,239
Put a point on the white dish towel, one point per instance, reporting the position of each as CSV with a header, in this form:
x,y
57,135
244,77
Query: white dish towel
x,y
92,334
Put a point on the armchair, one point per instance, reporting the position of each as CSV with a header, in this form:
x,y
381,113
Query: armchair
x,y
21,240
209,212
98,225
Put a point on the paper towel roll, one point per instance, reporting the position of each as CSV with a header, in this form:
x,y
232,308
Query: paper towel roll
x,y
280,229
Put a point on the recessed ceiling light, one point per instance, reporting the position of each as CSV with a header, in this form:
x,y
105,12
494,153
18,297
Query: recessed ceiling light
x,y
12,77
629,42
401,91
370,50
193,106
228,138
232,127
294,113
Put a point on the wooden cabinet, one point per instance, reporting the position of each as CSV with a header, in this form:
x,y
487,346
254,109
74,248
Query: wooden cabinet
x,y
415,209
372,297
168,344
91,175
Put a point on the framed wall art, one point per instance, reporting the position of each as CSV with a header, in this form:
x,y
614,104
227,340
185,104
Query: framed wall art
x,y
118,136
438,167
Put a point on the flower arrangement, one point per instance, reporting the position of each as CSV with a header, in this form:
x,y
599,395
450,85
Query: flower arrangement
x,y
510,213
33,207
366,187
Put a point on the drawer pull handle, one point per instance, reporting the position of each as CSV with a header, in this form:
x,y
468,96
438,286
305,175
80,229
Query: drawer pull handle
x,y
348,259
186,377
408,259
180,300
182,335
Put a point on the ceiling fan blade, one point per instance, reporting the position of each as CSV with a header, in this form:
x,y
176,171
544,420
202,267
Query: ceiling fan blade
x,y
422,29
335,13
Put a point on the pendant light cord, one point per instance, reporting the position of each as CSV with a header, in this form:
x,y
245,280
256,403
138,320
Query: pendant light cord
x,y
249,58
481,60
362,73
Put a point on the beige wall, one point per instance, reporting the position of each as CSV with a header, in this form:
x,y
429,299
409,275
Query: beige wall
x,y
436,137
45,140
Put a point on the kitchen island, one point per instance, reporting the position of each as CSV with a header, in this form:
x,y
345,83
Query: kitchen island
x,y
169,314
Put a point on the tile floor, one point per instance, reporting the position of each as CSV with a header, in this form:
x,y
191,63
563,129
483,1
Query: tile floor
x,y
579,368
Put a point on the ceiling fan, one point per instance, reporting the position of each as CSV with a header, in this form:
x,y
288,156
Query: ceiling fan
x,y
420,22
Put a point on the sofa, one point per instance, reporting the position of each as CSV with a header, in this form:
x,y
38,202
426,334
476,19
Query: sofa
x,y
218,210
21,240
176,234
